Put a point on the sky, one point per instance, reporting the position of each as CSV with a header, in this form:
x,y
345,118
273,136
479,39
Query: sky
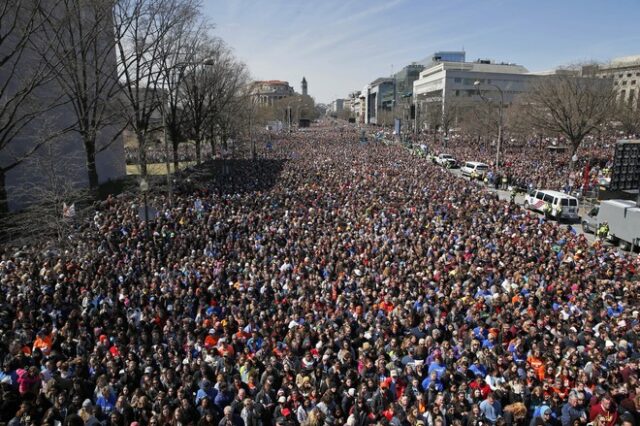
x,y
342,45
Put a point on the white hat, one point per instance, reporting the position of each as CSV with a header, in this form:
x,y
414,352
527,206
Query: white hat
x,y
282,400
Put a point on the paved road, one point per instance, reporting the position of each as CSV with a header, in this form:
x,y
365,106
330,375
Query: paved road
x,y
506,195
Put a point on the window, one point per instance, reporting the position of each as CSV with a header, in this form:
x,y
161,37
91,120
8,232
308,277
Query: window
x,y
629,75
457,93
457,80
633,82
548,198
488,81
539,195
624,83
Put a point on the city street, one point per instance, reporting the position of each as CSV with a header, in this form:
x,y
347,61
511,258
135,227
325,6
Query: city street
x,y
506,196
245,213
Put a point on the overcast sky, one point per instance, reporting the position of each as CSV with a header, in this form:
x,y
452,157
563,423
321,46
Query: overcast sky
x,y
342,45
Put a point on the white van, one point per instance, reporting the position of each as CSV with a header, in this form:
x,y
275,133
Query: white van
x,y
471,167
563,206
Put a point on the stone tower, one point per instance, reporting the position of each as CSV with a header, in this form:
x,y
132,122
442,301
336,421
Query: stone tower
x,y
304,86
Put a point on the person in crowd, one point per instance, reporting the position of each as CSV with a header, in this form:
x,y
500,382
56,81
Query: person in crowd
x,y
330,282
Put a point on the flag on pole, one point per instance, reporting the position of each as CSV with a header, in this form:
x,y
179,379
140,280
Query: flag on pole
x,y
68,211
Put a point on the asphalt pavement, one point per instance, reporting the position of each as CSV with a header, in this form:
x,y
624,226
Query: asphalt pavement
x,y
506,195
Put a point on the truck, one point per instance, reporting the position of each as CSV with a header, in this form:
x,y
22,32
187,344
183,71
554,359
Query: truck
x,y
623,218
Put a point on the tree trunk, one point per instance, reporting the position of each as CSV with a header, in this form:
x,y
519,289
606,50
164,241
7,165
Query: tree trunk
x,y
225,138
92,171
4,203
212,142
198,151
176,160
575,144
142,154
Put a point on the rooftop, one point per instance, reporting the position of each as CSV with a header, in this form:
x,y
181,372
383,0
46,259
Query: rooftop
x,y
626,60
273,82
479,66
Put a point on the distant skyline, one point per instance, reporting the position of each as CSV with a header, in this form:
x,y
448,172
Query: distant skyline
x,y
340,46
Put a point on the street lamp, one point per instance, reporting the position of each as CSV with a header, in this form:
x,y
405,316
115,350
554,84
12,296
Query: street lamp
x,y
144,188
500,111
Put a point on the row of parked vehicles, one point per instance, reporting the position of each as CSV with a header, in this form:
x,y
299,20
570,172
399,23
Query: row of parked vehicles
x,y
468,168
619,219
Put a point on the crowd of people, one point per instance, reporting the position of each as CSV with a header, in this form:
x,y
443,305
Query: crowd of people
x,y
537,163
156,153
354,284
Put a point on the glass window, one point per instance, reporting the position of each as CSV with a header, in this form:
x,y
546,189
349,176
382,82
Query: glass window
x,y
564,202
548,198
457,80
539,195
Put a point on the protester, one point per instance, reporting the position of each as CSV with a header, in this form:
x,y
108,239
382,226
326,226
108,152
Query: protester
x,y
332,282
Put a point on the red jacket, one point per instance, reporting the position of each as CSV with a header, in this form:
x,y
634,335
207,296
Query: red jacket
x,y
610,416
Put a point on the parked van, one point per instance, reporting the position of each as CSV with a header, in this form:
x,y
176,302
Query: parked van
x,y
552,203
474,168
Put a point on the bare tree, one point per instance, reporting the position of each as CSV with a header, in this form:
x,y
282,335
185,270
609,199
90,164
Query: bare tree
x,y
181,49
628,116
140,27
570,105
60,197
81,57
21,77
448,116
212,92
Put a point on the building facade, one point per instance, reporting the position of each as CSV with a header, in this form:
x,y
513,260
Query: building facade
x,y
404,80
447,83
336,106
380,98
625,75
269,91
59,165
443,56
